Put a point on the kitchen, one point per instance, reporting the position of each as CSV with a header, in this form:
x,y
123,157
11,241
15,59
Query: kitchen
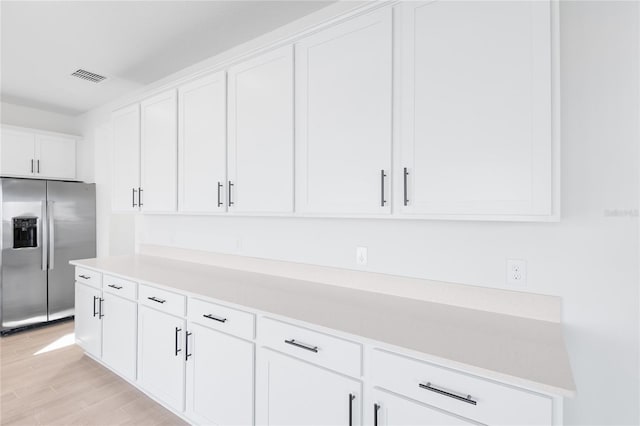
x,y
324,212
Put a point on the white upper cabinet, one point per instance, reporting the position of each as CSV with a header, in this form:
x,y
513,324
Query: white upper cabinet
x,y
475,109
17,153
125,127
36,154
56,157
202,144
261,134
159,151
344,112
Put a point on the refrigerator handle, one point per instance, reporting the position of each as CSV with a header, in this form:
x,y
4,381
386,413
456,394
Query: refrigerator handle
x,y
43,235
51,237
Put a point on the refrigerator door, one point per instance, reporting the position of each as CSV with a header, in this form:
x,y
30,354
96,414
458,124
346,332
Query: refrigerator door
x,y
71,208
23,276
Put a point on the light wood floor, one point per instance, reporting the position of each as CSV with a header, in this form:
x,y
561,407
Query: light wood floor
x,y
64,387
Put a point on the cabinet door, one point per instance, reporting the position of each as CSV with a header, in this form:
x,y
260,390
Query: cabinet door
x,y
219,378
56,157
159,153
394,410
344,108
119,325
476,136
202,144
296,393
88,325
261,134
17,153
126,159
161,356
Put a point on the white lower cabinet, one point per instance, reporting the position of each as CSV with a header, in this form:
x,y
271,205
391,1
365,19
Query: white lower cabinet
x,y
215,364
296,393
88,327
219,378
161,366
392,410
119,333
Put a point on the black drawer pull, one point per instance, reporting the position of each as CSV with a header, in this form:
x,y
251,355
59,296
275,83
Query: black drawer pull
x,y
186,346
302,345
351,398
85,277
178,330
155,299
211,317
376,408
95,312
115,286
466,399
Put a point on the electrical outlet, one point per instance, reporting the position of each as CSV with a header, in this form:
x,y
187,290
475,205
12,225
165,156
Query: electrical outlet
x,y
361,256
516,272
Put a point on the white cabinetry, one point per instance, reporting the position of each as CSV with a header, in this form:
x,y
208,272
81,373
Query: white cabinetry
x,y
261,134
36,154
125,170
344,112
159,153
161,368
56,157
476,108
393,410
219,377
202,144
88,324
119,334
293,392
106,320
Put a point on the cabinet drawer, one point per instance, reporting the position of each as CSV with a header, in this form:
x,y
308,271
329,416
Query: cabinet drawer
x,y
119,286
319,348
465,395
228,320
88,276
172,303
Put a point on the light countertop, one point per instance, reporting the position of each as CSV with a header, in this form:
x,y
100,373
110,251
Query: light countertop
x,y
522,351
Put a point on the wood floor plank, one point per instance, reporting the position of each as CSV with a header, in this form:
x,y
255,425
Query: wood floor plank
x,y
45,385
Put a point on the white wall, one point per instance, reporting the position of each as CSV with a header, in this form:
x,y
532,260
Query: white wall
x,y
18,115
590,258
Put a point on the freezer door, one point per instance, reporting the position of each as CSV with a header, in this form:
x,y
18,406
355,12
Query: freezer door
x,y
71,208
23,269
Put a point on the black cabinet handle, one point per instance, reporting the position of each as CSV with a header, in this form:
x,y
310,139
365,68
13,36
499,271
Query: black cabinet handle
x,y
186,346
230,203
406,190
376,408
117,287
178,330
139,197
382,176
133,197
94,306
155,299
38,166
351,398
211,317
100,314
32,165
84,277
302,345
220,185
466,399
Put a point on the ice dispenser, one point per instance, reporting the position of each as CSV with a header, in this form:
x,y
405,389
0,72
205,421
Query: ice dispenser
x,y
25,232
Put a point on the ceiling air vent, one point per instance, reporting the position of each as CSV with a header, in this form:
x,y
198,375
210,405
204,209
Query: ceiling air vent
x,y
86,75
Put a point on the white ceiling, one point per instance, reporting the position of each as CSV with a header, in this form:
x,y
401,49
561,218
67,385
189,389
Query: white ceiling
x,y
132,43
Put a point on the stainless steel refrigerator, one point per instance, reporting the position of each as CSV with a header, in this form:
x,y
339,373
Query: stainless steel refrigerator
x,y
44,225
